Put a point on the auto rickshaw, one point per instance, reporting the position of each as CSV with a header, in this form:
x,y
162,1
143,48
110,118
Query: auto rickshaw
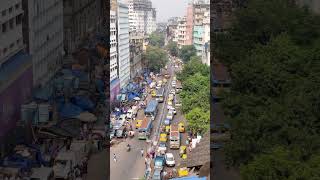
x,y
183,150
184,156
183,172
167,129
181,127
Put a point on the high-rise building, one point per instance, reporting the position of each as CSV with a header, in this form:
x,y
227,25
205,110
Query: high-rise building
x,y
189,25
44,38
123,44
15,69
142,17
113,46
206,39
82,18
182,27
11,38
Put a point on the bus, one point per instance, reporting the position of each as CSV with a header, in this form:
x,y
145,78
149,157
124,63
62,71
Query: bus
x,y
151,109
160,95
144,131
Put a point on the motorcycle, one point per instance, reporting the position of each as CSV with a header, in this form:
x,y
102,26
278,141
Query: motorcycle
x,y
128,148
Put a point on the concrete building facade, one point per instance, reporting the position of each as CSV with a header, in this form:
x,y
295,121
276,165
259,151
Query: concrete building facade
x,y
113,46
142,17
11,36
189,25
198,34
181,32
123,44
44,37
82,18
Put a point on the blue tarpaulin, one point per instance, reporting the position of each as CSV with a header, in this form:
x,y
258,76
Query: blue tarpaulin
x,y
69,110
83,102
190,178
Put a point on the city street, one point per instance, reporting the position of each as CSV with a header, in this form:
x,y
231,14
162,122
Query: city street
x,y
130,165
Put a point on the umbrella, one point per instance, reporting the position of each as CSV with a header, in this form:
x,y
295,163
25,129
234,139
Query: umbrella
x,y
137,98
87,117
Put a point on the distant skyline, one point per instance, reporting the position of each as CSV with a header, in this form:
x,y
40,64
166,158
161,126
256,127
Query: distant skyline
x,y
170,8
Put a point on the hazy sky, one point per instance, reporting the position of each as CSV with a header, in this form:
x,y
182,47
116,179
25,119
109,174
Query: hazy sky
x,y
169,8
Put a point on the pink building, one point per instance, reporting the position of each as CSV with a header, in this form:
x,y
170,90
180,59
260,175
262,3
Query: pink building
x,y
189,28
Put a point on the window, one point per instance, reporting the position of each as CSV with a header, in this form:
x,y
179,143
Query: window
x,y
17,6
10,10
18,41
11,45
11,23
4,27
5,50
19,19
4,12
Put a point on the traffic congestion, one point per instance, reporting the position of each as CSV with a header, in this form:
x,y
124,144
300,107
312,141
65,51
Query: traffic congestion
x,y
152,129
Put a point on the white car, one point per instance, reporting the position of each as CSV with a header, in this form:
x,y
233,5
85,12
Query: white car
x,y
170,114
173,91
162,149
174,110
170,159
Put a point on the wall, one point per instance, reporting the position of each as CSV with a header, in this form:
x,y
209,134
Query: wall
x,y
114,89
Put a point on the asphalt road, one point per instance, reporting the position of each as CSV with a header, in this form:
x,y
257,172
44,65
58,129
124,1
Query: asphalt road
x,y
130,165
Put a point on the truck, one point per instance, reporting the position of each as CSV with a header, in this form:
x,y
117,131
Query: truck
x,y
174,137
145,129
151,109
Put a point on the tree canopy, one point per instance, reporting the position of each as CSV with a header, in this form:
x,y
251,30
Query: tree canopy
x,y
186,52
156,39
272,52
173,48
195,95
156,58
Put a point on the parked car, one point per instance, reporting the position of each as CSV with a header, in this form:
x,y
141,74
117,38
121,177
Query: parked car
x,y
159,162
173,91
157,175
170,114
163,137
170,159
167,122
174,110
162,149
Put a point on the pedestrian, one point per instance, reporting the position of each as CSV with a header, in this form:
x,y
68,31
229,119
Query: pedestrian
x,y
142,152
114,157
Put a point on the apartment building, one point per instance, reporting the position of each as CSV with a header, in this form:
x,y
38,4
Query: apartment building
x,y
43,30
113,46
123,44
181,32
189,25
11,37
15,70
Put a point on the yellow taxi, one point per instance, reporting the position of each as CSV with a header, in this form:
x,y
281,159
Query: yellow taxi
x,y
184,156
153,93
164,81
183,150
170,98
163,137
183,172
181,127
138,123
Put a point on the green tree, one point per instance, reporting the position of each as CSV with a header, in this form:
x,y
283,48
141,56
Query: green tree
x,y
173,48
187,52
192,67
156,39
198,120
156,58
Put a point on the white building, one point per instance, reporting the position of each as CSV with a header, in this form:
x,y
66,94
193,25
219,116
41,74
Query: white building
x,y
113,46
11,38
123,44
45,37
182,29
142,17
206,39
